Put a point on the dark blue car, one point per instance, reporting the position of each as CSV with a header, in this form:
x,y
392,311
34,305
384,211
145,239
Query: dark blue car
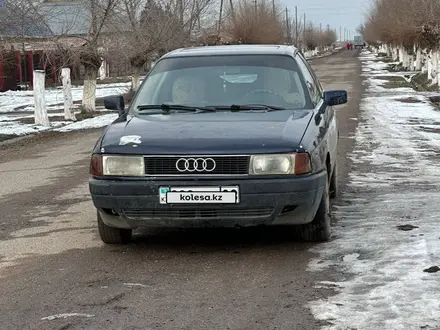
x,y
220,136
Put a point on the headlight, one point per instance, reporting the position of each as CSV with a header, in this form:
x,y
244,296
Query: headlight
x,y
298,163
123,165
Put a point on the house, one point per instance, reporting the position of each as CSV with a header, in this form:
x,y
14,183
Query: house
x,y
33,35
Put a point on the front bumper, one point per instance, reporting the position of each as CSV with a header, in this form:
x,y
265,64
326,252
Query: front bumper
x,y
272,201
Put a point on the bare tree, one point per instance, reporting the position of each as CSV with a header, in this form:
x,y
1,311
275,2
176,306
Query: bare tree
x,y
90,53
156,26
403,28
20,22
253,22
316,37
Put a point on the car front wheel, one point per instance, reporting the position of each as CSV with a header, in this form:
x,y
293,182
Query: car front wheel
x,y
110,235
319,229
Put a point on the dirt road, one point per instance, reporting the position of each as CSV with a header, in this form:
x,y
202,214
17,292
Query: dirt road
x,y
56,274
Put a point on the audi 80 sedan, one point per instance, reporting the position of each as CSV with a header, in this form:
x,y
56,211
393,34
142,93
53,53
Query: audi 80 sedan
x,y
220,136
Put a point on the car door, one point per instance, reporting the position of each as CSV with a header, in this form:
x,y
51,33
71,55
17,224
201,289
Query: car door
x,y
325,119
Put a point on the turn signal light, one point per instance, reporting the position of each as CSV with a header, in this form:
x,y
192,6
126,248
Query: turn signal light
x,y
303,164
96,165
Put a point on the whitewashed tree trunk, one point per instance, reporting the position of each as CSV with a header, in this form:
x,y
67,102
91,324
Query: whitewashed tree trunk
x,y
395,53
405,58
418,63
103,70
136,78
388,50
89,91
429,65
436,67
411,62
40,112
400,54
67,91
425,60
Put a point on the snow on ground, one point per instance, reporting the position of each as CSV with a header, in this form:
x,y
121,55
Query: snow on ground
x,y
394,182
96,122
15,105
19,129
15,128
24,100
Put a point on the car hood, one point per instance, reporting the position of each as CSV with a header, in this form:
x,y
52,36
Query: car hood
x,y
208,133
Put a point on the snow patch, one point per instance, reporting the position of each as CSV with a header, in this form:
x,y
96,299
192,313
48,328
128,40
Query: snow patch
x,y
394,181
135,139
65,316
24,100
96,122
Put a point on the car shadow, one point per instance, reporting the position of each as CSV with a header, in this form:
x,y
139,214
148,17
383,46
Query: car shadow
x,y
211,239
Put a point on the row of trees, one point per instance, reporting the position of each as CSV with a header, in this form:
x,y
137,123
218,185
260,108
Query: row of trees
x,y
407,30
141,30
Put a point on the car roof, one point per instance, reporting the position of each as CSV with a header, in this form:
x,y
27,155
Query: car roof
x,y
233,50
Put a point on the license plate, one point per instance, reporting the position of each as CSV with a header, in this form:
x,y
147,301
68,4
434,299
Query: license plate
x,y
199,195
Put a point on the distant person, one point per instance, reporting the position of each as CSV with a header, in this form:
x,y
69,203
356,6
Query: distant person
x,y
347,45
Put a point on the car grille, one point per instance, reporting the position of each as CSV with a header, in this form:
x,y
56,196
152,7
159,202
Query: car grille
x,y
190,214
224,165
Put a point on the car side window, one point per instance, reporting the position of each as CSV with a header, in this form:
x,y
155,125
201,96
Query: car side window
x,y
311,81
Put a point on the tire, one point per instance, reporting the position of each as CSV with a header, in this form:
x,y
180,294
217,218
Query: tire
x,y
110,235
319,229
334,188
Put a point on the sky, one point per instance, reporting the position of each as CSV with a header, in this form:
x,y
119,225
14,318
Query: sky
x,y
338,14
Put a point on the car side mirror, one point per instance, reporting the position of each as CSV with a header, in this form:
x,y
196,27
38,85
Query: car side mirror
x,y
335,97
115,102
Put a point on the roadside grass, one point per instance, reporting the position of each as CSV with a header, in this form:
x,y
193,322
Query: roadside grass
x,y
421,83
4,137
435,101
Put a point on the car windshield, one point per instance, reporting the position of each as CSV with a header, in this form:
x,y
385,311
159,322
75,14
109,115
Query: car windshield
x,y
224,80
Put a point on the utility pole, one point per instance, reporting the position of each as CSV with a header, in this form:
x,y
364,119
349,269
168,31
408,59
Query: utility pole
x,y
232,10
220,17
255,5
287,27
304,32
273,9
296,26
340,33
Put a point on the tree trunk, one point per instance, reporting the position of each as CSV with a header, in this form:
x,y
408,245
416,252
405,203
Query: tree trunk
x,y
89,91
136,78
395,53
424,61
429,64
103,70
418,64
402,53
388,48
435,66
40,112
67,91
405,59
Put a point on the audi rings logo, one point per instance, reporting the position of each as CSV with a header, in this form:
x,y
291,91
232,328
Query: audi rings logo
x,y
195,165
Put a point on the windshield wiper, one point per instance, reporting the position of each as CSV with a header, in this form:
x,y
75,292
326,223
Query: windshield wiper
x,y
247,107
168,107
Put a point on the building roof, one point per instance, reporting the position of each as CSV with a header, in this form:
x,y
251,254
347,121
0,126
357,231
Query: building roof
x,y
53,18
66,18
14,22
233,50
